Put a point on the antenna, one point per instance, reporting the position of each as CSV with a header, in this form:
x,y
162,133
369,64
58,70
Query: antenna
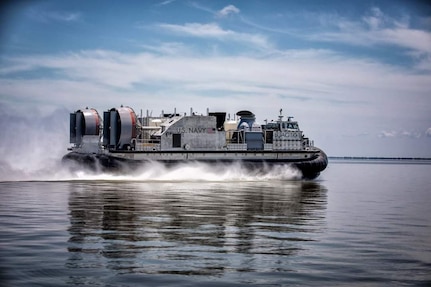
x,y
280,117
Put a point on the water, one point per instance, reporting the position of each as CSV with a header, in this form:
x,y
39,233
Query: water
x,y
359,224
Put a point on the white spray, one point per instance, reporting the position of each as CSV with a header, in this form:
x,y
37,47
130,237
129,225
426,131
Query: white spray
x,y
195,172
31,143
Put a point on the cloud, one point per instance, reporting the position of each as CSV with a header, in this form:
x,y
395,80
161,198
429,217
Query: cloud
x,y
214,65
375,29
213,30
166,2
428,132
332,94
400,134
169,48
388,134
423,62
226,11
374,20
54,16
198,30
328,82
306,69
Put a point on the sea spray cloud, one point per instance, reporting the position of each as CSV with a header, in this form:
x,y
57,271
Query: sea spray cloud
x,y
193,172
32,143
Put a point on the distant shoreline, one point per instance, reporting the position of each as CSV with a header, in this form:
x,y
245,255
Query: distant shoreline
x,y
371,158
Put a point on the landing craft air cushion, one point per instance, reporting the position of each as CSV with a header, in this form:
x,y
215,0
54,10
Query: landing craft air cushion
x,y
123,140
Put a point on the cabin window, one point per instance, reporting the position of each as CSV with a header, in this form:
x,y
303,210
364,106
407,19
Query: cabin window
x,y
269,137
237,137
176,140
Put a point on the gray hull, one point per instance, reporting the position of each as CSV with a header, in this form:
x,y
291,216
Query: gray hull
x,y
310,167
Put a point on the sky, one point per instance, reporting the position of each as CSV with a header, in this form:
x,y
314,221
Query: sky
x,y
356,75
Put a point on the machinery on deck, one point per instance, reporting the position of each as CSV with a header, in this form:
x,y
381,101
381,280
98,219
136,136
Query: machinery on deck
x,y
127,140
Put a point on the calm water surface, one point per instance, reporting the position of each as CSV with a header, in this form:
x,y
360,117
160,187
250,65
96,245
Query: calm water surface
x,y
365,224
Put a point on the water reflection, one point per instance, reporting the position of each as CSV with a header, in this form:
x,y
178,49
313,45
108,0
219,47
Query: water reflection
x,y
190,227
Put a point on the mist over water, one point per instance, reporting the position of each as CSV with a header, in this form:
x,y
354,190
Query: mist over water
x,y
32,143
